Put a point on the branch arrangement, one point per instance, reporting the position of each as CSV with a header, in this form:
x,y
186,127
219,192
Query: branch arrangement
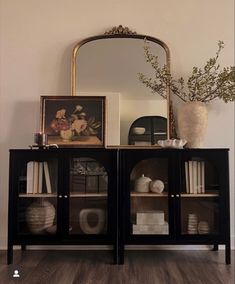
x,y
204,85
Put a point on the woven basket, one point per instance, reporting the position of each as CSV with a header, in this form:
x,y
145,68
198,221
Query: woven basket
x,y
40,215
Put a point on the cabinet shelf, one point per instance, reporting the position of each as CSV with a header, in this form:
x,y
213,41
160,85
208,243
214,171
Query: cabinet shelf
x,y
88,195
37,195
137,194
196,195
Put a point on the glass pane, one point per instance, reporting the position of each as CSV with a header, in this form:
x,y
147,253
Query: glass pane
x,y
88,197
37,207
200,198
149,197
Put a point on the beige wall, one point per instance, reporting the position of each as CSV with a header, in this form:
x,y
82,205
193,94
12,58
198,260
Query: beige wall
x,y
36,38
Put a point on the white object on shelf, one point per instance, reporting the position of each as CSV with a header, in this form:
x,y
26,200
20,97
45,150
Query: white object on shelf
x,y
203,227
192,223
151,229
156,186
155,217
84,220
138,130
142,184
40,215
172,143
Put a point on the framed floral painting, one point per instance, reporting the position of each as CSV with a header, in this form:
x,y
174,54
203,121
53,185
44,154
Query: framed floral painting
x,y
71,121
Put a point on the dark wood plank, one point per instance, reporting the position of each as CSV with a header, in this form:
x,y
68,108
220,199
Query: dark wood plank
x,y
94,267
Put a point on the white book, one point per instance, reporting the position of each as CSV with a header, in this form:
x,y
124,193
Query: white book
x,y
35,177
151,229
199,179
40,176
195,182
29,183
190,168
154,217
186,164
203,176
47,177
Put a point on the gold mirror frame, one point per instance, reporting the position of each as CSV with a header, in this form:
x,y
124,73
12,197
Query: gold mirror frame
x,y
125,32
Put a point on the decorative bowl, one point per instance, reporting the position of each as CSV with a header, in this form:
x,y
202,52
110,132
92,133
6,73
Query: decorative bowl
x,y
172,143
139,130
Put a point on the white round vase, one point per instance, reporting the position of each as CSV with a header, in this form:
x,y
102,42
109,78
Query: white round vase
x,y
192,123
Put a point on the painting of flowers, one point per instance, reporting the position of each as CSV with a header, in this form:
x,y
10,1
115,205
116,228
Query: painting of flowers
x,y
73,120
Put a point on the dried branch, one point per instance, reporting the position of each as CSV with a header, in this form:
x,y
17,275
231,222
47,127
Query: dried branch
x,y
203,85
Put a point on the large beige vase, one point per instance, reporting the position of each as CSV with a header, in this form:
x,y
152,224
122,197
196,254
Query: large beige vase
x,y
192,120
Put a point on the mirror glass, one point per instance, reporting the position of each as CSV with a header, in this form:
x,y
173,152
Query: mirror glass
x,y
109,66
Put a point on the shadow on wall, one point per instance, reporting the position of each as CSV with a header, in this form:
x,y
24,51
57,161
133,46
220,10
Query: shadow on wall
x,y
23,121
64,72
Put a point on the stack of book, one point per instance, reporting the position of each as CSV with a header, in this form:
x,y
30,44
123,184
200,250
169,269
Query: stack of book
x,y
195,176
37,173
151,222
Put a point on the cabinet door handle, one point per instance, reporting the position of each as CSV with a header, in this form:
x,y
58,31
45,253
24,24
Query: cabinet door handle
x,y
66,196
172,195
60,196
177,195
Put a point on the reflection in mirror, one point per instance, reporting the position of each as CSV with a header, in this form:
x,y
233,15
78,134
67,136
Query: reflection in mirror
x,y
109,66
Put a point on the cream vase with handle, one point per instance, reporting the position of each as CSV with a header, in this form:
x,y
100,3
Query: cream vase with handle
x,y
192,123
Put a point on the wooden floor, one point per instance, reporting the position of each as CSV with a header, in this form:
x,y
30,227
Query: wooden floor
x,y
144,267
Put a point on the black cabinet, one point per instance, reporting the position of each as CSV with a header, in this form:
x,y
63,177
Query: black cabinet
x,y
118,197
62,196
193,207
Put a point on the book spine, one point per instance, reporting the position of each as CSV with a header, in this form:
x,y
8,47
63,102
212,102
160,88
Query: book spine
x,y
190,163
186,165
195,181
40,176
199,188
47,177
203,176
29,182
35,177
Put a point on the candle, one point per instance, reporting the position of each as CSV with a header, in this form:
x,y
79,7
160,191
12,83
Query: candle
x,y
40,139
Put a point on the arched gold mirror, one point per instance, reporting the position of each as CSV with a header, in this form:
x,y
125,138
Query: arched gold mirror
x,y
108,65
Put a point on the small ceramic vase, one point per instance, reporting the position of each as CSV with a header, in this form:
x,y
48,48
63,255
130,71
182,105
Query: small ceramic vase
x,y
85,225
142,184
156,186
40,215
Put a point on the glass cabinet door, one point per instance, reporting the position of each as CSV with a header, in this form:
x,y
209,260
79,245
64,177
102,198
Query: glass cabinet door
x,y
200,197
88,197
37,191
149,212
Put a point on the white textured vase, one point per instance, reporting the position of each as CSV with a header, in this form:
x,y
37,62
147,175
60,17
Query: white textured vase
x,y
40,215
192,123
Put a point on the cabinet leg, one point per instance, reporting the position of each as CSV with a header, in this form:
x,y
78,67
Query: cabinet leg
x,y
216,247
228,253
115,254
23,247
121,254
9,254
